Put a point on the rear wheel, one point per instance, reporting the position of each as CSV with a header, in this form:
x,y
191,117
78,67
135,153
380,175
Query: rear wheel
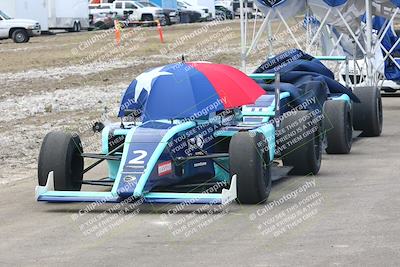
x,y
299,142
251,166
368,115
61,153
338,126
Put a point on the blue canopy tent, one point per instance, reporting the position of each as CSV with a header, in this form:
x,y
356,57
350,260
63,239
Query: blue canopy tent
x,y
345,21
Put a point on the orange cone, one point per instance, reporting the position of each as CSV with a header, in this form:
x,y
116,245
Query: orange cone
x,y
117,27
160,31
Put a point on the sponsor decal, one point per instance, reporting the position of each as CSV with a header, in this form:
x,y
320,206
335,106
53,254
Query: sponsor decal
x,y
196,142
165,168
129,178
200,164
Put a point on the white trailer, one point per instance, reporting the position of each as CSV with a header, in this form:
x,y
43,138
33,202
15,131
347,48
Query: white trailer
x,y
71,15
27,9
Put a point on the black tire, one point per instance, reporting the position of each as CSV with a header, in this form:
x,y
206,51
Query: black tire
x,y
163,21
79,27
300,149
368,115
338,126
61,153
76,28
20,36
251,166
73,29
167,20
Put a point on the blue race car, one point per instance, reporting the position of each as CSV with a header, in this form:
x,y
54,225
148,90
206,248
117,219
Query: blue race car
x,y
189,132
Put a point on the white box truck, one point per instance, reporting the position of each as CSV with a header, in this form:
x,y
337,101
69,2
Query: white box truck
x,y
71,15
27,9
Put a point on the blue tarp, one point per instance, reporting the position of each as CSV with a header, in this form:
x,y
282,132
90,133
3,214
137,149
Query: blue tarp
x,y
303,76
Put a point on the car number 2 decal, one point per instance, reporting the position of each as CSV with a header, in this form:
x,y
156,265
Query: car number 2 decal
x,y
138,160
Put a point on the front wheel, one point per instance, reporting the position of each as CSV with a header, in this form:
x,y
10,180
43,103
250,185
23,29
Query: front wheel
x,y
20,36
299,142
61,153
249,161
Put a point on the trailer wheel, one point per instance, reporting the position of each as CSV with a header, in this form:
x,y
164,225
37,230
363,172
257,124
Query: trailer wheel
x,y
78,27
299,143
338,126
61,153
251,166
368,115
20,36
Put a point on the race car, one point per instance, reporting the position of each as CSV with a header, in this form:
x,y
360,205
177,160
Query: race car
x,y
189,133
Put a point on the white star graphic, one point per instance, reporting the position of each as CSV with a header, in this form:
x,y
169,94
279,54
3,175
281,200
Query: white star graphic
x,y
145,79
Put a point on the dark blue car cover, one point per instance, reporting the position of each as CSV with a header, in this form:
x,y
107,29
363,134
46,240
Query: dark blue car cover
x,y
307,75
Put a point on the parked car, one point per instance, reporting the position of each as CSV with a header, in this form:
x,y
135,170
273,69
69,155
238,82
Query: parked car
x,y
101,20
203,10
171,15
188,16
228,4
138,12
20,30
223,13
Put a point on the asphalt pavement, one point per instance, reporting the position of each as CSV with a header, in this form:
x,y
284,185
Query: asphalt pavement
x,y
348,215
